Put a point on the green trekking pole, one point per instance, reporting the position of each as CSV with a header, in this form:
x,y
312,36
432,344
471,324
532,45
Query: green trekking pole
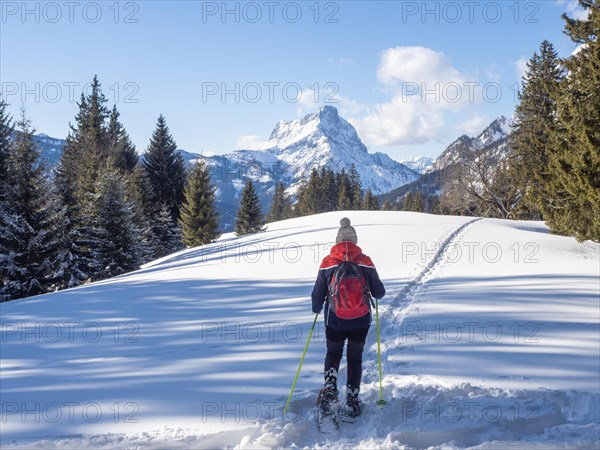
x,y
301,361
381,402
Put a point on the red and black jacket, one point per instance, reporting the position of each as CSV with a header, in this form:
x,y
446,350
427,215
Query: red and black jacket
x,y
328,265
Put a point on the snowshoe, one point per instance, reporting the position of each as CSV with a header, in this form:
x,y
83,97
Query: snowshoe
x,y
352,407
328,412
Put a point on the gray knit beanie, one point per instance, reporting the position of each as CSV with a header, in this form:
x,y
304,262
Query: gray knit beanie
x,y
346,233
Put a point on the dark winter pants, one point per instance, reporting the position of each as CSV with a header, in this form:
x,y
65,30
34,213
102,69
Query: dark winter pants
x,y
335,347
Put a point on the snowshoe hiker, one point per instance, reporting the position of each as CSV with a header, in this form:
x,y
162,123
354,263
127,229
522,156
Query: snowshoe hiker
x,y
345,283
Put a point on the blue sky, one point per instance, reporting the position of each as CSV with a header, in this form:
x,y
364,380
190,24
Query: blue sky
x,y
277,60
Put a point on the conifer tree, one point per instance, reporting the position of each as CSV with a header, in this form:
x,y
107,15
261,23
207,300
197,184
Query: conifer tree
x,y
165,168
330,191
355,188
166,233
310,197
199,219
83,157
73,262
419,202
344,192
370,202
281,207
6,130
387,205
117,249
574,163
25,265
408,202
145,212
11,224
535,124
296,208
86,148
120,147
249,216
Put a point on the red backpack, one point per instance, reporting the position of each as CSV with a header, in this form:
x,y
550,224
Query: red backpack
x,y
349,294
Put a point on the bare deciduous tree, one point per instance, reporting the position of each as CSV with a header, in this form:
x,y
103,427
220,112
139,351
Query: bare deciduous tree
x,y
479,184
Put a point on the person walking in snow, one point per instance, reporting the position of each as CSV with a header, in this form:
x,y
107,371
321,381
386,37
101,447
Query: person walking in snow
x,y
346,281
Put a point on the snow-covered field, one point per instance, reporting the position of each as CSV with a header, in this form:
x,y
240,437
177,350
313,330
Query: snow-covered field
x,y
490,339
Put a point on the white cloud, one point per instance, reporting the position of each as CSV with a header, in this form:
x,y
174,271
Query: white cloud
x,y
251,142
399,122
414,117
521,66
573,9
580,14
416,65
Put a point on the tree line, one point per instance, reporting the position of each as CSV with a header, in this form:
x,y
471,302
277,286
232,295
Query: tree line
x,y
104,211
552,171
324,191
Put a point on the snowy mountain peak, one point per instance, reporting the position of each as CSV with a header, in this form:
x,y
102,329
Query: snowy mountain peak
x,y
329,118
322,124
492,136
498,129
323,138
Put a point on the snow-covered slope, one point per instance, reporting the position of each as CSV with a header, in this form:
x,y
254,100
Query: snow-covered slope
x,y
489,339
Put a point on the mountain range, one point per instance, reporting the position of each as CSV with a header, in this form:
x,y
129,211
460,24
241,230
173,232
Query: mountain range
x,y
319,139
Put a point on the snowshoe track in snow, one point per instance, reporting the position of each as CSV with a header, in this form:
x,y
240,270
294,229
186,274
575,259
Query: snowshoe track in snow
x,y
409,291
